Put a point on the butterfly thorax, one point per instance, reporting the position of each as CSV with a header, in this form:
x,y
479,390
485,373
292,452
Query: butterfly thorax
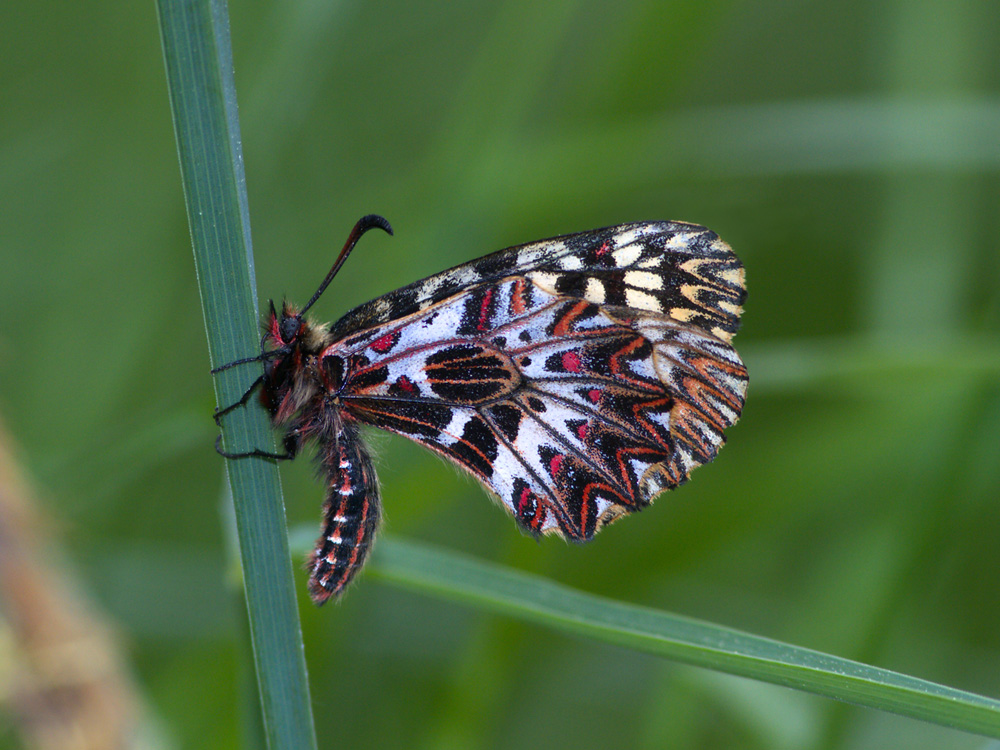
x,y
301,388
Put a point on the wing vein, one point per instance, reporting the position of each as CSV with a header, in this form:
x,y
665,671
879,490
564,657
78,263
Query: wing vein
x,y
580,409
516,454
584,458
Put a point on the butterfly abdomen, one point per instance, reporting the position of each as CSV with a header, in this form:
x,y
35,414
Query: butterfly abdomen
x,y
351,515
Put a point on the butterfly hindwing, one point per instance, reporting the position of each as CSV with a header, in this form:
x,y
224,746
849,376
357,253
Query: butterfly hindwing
x,y
577,388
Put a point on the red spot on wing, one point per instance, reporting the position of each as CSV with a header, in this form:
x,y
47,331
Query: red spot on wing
x,y
484,311
524,502
571,362
594,394
517,302
530,509
602,250
385,342
406,384
582,431
555,463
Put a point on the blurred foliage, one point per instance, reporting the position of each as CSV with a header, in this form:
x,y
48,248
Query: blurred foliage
x,y
848,152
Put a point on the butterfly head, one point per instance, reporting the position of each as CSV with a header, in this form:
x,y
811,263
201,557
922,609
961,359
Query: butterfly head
x,y
282,332
290,335
290,342
288,326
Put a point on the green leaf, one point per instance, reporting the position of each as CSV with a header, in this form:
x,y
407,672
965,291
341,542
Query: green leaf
x,y
198,59
505,591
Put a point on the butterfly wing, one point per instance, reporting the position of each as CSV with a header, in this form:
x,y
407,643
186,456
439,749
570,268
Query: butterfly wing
x,y
678,269
576,377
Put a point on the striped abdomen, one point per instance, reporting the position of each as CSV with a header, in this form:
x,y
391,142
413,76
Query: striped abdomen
x,y
350,516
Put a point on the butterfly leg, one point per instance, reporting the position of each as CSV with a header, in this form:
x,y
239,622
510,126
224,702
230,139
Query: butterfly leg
x,y
218,414
288,455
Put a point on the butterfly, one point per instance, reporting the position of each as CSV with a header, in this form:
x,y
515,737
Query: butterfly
x,y
575,377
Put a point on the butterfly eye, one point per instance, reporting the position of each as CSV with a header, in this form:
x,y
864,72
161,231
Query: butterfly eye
x,y
290,328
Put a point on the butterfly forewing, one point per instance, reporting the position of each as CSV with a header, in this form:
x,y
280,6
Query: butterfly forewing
x,y
679,269
576,390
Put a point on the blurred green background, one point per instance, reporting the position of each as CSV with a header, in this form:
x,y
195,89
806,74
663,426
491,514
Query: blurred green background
x,y
848,151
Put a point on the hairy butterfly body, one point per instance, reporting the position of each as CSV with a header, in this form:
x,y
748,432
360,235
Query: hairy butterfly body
x,y
576,378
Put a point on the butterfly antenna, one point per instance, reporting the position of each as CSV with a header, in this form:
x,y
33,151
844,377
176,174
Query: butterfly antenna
x,y
364,224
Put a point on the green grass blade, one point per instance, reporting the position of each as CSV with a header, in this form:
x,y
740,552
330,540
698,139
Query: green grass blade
x,y
199,66
533,599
